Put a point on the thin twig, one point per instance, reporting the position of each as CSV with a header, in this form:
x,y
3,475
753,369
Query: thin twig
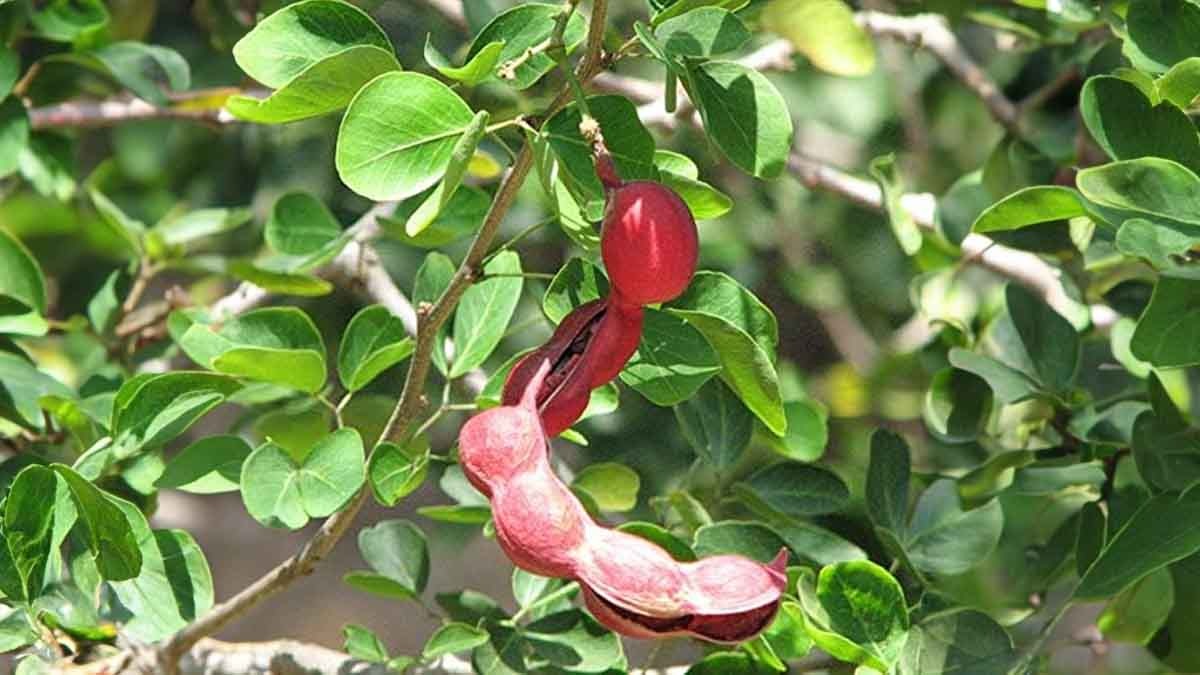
x,y
110,112
932,33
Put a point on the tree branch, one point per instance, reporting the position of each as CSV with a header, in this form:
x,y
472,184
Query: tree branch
x,y
110,112
1027,269
932,33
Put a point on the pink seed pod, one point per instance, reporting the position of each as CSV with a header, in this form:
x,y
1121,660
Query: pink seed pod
x,y
649,242
587,350
630,584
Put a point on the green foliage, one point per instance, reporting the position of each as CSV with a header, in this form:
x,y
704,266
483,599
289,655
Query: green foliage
x,y
1010,282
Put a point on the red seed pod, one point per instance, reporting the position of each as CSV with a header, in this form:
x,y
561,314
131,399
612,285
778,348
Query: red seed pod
x,y
648,242
630,584
587,350
635,588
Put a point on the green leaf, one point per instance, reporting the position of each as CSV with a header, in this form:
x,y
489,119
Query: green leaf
x,y
798,490
1164,529
1047,480
1161,33
300,224
451,638
520,29
174,586
150,411
395,471
725,663
631,146
1050,340
280,345
28,527
703,200
14,134
573,639
720,295
1137,613
744,115
1030,206
282,283
856,612
576,283
460,158
748,538
958,641
807,432
744,334
673,360
1162,243
15,631
477,69
396,551
22,386
208,466
381,160
291,40
504,653
908,234
992,477
374,341
69,20
22,285
1163,334
469,606
128,230
325,86
958,404
361,643
824,31
110,533
612,486
104,308
484,312
1008,384
943,539
679,549
198,224
1150,186
528,588
786,634
48,161
1167,455
458,219
1181,84
670,10
703,32
1127,125
888,475
715,424
458,514
141,68
282,491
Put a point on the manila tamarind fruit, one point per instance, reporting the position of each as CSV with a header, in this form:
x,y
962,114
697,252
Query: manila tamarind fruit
x,y
633,586
630,584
